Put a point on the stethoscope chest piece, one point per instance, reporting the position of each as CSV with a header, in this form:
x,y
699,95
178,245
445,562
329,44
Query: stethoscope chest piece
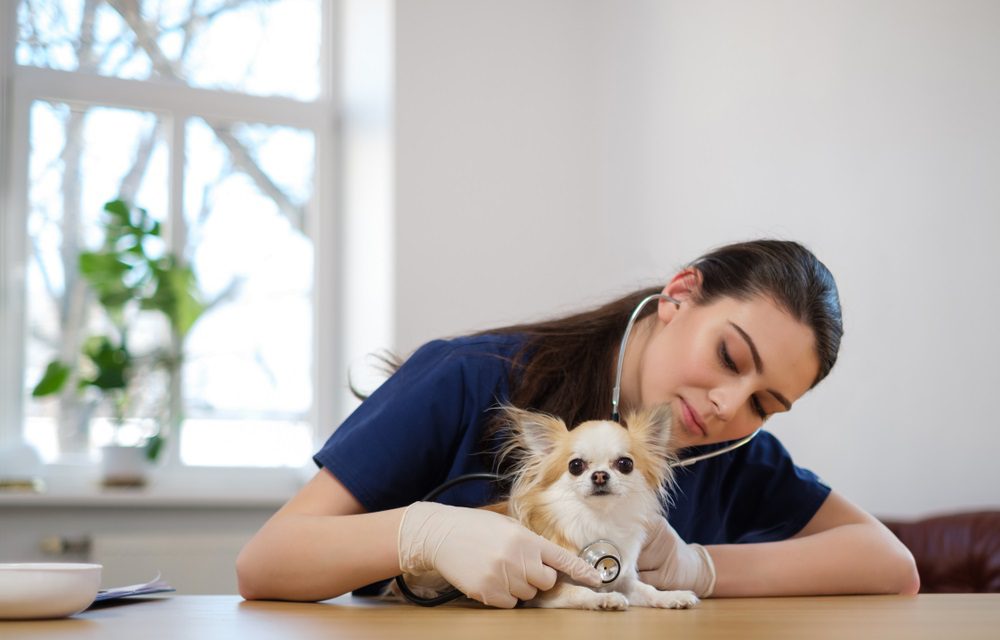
x,y
605,557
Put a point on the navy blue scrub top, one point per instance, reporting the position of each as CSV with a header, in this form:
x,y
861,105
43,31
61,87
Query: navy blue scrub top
x,y
424,426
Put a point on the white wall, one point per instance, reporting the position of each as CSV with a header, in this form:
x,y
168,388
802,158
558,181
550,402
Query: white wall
x,y
527,131
498,125
870,131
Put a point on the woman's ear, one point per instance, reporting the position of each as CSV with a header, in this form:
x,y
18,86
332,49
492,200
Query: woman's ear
x,y
681,287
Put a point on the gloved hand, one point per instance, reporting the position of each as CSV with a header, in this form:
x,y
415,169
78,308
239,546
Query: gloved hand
x,y
487,556
669,563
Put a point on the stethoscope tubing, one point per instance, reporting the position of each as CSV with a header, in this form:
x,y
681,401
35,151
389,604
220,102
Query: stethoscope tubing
x,y
616,392
447,596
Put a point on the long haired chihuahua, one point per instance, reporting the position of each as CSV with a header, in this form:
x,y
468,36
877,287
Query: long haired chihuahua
x,y
600,481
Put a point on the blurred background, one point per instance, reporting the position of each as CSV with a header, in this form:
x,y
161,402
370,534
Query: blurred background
x,y
347,176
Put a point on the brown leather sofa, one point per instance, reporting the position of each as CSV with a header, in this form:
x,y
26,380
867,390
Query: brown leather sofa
x,y
955,553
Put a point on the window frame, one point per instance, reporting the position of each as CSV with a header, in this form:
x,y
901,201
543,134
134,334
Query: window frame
x,y
20,86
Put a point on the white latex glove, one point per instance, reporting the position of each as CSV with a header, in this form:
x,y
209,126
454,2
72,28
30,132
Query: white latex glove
x,y
487,556
669,563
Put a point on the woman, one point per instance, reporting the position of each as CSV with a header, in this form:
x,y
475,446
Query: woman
x,y
745,331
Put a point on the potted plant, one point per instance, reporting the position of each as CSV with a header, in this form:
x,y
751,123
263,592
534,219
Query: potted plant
x,y
133,276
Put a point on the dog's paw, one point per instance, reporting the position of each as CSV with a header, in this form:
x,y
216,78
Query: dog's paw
x,y
675,600
612,601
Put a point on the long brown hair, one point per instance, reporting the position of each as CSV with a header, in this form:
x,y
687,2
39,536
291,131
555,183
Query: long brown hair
x,y
565,367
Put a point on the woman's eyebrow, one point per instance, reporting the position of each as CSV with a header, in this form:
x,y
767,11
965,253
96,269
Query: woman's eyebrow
x,y
759,364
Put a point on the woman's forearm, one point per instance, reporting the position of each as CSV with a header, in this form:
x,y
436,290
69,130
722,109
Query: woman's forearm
x,y
852,558
314,557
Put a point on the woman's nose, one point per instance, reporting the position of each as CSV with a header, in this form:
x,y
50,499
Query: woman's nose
x,y
725,400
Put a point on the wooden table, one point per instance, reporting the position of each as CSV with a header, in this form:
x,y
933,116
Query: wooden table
x,y
952,617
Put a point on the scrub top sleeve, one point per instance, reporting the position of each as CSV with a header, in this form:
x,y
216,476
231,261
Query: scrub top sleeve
x,y
399,443
776,498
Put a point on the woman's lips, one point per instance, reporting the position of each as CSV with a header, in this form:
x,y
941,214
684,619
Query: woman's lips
x,y
691,421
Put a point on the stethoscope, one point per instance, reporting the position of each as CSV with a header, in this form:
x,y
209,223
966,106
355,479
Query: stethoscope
x,y
617,391
603,555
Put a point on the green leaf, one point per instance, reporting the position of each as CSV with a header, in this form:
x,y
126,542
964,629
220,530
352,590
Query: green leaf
x,y
176,296
53,380
100,267
118,210
140,222
154,446
187,306
104,272
112,363
133,268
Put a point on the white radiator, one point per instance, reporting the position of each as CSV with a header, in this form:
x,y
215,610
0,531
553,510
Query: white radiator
x,y
193,563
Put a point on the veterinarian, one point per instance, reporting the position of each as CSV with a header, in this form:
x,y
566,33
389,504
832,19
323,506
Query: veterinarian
x,y
749,328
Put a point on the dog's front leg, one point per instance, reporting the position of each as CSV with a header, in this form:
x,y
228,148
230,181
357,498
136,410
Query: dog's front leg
x,y
571,596
641,594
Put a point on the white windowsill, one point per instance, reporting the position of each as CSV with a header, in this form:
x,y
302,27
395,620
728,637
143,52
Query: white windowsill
x,y
186,487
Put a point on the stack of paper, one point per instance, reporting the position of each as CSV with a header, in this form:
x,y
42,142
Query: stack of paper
x,y
156,585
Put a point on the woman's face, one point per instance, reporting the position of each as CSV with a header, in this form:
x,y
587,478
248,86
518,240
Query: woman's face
x,y
723,367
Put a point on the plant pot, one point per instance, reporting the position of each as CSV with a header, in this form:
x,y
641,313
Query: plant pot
x,y
20,468
123,466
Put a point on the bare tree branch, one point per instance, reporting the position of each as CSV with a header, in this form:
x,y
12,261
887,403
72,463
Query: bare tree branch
x,y
86,53
125,40
129,10
243,160
50,286
197,21
130,183
72,429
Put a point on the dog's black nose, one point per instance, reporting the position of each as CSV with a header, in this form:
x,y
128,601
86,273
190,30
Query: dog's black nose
x,y
600,478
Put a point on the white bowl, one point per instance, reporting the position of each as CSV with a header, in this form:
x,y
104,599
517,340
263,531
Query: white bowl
x,y
47,589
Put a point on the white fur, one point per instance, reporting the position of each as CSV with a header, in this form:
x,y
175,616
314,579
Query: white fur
x,y
582,518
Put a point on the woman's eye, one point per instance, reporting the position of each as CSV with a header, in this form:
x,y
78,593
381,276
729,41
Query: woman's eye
x,y
726,359
625,465
577,466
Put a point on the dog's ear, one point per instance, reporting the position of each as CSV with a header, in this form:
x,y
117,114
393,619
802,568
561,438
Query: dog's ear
x,y
536,432
650,431
653,427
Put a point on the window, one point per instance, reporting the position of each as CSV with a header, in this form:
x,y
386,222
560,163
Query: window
x,y
216,118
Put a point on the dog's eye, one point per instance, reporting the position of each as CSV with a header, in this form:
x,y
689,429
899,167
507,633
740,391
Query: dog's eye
x,y
577,466
625,465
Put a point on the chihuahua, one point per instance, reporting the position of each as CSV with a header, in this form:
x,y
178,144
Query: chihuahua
x,y
600,481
